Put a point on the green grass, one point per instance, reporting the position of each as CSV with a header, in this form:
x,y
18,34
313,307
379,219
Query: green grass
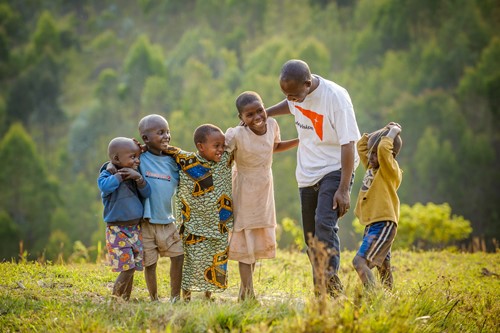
x,y
434,292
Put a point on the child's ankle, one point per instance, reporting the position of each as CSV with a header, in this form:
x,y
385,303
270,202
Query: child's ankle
x,y
186,295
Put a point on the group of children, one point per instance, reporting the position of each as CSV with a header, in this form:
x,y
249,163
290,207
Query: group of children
x,y
212,197
224,203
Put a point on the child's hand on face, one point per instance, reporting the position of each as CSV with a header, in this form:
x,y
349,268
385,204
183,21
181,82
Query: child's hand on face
x,y
129,173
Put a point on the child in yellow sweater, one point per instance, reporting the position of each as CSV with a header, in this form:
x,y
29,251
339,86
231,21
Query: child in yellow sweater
x,y
377,206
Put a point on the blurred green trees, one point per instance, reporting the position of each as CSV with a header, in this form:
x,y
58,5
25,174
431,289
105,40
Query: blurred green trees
x,y
29,195
10,236
427,226
76,74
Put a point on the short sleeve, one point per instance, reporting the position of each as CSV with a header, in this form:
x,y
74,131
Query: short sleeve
x,y
345,119
231,138
276,130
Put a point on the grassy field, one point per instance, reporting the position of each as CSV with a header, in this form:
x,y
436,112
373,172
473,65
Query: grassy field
x,y
434,292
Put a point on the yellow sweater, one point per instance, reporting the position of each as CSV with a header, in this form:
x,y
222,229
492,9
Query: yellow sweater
x,y
378,200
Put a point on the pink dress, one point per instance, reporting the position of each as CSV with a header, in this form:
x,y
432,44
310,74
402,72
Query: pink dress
x,y
254,232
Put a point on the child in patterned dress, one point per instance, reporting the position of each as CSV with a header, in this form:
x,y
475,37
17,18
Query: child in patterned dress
x,y
121,195
254,232
205,203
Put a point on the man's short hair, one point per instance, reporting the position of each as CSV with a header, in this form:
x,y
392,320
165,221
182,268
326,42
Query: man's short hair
x,y
295,70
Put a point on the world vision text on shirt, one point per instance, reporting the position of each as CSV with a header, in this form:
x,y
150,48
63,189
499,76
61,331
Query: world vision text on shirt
x,y
316,119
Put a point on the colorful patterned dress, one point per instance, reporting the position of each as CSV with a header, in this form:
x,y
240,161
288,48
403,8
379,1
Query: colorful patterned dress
x,y
205,202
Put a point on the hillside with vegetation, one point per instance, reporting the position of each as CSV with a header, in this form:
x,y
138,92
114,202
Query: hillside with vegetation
x,y
74,74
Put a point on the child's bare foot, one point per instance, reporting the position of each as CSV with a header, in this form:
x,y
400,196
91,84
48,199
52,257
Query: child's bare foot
x,y
175,299
208,296
186,295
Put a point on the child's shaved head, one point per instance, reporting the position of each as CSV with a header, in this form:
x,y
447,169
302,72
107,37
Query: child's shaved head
x,y
150,121
119,145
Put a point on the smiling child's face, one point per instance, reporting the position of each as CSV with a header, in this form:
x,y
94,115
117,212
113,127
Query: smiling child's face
x,y
254,116
127,156
213,147
157,136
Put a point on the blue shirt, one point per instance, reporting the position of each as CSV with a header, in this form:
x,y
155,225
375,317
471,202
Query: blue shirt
x,y
162,174
121,199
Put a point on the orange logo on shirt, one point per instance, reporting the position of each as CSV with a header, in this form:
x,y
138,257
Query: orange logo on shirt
x,y
316,119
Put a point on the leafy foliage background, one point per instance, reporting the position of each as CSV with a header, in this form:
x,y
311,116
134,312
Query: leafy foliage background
x,y
75,74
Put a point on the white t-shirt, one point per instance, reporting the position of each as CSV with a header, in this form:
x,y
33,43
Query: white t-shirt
x,y
325,121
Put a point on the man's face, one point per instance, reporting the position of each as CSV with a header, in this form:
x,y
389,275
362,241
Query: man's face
x,y
295,91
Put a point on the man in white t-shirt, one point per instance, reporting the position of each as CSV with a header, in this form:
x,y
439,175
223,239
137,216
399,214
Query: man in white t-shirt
x,y
326,157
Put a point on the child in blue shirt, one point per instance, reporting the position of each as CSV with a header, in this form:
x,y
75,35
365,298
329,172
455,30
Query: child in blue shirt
x,y
121,194
160,234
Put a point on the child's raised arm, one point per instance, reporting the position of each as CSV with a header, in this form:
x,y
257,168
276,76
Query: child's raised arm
x,y
394,130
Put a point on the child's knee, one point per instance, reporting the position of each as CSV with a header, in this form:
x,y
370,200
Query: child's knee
x,y
385,267
359,262
177,260
129,273
150,270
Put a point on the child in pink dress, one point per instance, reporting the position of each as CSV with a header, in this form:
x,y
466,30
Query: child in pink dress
x,y
254,233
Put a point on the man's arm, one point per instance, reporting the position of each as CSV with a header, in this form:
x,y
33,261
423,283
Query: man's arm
x,y
342,197
278,109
